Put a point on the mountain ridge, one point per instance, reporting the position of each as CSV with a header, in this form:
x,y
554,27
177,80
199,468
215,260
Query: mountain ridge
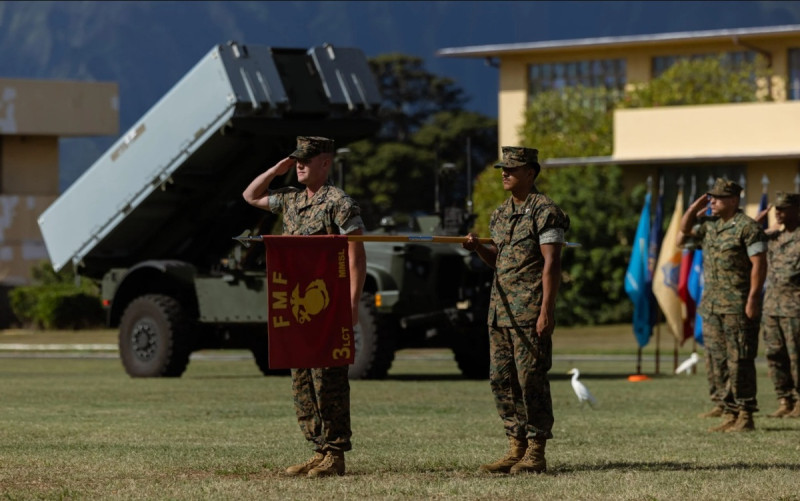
x,y
146,46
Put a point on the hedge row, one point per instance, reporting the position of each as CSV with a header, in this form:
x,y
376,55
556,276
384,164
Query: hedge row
x,y
56,306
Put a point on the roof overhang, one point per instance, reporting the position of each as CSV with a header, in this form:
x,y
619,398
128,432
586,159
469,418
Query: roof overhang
x,y
737,34
555,163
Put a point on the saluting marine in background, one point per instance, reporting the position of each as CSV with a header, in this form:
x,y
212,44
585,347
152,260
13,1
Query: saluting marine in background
x,y
781,321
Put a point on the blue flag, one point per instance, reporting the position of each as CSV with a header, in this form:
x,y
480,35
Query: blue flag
x,y
636,278
761,206
696,291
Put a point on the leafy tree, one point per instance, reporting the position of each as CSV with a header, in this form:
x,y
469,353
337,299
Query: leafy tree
x,y
411,95
577,122
423,127
705,80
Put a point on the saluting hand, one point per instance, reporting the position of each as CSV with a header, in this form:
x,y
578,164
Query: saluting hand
x,y
284,165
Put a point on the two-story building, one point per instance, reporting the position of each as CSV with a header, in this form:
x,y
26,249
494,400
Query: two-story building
x,y
34,115
746,142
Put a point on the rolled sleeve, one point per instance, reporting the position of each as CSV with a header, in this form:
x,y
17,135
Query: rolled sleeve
x,y
552,236
756,248
352,224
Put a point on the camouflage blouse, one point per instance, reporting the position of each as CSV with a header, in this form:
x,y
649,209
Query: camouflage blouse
x,y
517,232
330,211
727,249
782,296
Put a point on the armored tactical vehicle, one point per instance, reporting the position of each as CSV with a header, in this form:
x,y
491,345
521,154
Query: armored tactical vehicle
x,y
422,294
153,219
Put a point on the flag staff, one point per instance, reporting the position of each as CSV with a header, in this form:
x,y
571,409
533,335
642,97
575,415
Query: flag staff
x,y
691,199
639,350
245,239
659,315
681,183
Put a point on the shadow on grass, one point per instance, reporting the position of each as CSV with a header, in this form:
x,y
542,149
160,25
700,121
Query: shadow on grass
x,y
560,377
458,377
430,377
669,466
776,428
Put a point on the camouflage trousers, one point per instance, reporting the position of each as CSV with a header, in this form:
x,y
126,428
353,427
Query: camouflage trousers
x,y
322,404
519,361
782,344
732,341
711,376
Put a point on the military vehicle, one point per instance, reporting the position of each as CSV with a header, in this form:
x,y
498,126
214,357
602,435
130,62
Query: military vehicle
x,y
153,220
422,294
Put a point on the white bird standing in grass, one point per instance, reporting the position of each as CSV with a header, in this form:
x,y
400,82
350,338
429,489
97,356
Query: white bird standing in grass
x,y
687,364
580,390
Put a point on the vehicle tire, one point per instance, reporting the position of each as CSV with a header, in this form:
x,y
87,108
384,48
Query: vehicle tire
x,y
154,337
260,350
374,342
471,350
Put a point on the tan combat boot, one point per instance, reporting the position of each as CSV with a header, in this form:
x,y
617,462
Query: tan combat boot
x,y
728,420
516,450
795,412
533,461
332,464
715,412
784,408
304,468
743,423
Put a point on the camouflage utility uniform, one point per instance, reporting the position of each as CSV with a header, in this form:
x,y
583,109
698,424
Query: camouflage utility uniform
x,y
520,359
730,337
781,322
321,396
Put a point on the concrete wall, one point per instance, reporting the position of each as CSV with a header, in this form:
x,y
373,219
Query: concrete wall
x,y
58,108
742,129
34,115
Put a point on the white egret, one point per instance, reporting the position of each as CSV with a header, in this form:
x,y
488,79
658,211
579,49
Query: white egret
x,y
687,364
580,390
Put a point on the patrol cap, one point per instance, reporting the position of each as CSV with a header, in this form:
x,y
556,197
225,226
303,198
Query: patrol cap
x,y
519,156
311,146
725,188
786,200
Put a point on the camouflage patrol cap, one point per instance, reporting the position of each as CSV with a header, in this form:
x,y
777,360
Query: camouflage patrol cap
x,y
724,188
519,156
311,146
786,200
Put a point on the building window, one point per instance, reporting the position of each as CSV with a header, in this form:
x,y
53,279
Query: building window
x,y
608,73
793,91
735,59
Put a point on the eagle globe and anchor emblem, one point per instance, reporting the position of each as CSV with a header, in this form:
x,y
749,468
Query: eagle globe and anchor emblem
x,y
315,299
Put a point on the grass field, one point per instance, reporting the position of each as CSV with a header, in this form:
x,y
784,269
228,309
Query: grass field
x,y
79,428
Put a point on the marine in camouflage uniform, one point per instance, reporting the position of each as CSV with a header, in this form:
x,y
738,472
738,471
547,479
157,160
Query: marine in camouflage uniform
x,y
712,373
321,395
527,233
781,320
734,262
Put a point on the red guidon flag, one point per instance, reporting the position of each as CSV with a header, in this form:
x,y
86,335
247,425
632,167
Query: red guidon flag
x,y
308,301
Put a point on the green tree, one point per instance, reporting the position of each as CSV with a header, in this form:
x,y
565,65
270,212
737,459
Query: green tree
x,y
423,126
577,122
704,80
411,95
